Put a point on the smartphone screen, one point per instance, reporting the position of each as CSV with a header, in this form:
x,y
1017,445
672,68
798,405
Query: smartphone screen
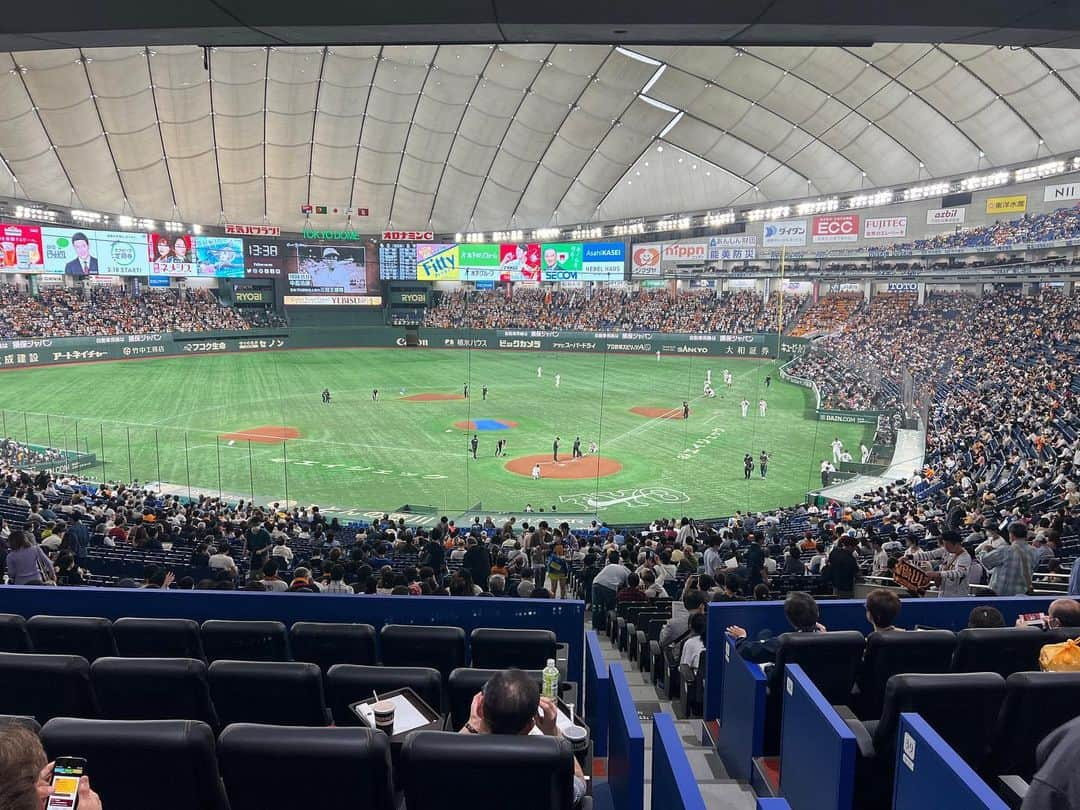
x,y
65,783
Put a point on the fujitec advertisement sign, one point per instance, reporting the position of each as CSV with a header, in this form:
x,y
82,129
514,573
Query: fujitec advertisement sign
x,y
784,233
836,228
884,227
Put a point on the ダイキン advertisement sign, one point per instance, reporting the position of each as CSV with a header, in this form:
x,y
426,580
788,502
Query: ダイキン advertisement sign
x,y
784,233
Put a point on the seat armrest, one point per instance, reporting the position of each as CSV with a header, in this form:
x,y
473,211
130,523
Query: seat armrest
x,y
654,648
1012,789
863,740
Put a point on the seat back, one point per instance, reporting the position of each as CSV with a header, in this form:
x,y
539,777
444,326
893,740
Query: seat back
x,y
45,686
24,720
244,641
153,689
463,685
87,636
441,648
961,707
164,764
1003,650
352,767
490,768
288,693
1035,704
14,637
329,643
158,638
830,660
496,648
348,683
891,653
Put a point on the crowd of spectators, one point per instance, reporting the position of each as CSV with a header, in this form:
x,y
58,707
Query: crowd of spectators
x,y
827,314
70,312
1062,223
609,309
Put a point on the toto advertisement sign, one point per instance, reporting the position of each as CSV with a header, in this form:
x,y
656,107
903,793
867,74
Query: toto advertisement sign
x,y
836,228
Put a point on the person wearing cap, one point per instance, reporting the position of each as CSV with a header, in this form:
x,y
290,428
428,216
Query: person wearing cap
x,y
1010,566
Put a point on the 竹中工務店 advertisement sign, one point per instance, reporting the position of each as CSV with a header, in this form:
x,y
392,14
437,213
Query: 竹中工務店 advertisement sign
x,y
836,228
884,227
1016,204
784,233
945,216
1061,193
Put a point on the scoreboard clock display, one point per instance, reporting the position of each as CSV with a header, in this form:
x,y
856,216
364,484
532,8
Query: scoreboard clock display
x,y
263,257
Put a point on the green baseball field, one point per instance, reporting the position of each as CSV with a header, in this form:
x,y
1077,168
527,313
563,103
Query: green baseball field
x,y
255,424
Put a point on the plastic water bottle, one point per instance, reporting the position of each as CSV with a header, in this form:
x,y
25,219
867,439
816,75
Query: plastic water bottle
x,y
550,680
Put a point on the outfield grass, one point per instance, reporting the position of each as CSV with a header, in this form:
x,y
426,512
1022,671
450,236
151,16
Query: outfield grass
x,y
160,419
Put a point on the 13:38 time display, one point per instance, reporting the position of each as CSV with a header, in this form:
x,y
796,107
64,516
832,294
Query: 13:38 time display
x,y
263,257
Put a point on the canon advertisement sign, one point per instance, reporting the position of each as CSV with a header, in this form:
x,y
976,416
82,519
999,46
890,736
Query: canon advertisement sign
x,y
836,228
945,216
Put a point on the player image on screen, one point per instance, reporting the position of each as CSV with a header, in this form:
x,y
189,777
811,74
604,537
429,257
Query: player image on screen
x,y
221,257
330,269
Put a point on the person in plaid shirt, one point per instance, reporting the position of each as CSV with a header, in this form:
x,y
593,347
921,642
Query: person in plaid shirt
x,y
1010,566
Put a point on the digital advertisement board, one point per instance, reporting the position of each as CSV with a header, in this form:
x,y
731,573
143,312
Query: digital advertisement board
x,y
263,258
321,274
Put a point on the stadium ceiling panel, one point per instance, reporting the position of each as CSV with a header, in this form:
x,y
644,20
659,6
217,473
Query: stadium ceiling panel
x,y
500,136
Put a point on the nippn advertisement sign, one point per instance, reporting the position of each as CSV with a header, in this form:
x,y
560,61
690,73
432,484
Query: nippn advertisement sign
x,y
884,227
836,228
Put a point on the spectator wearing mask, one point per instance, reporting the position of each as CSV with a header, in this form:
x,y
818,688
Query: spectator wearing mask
x,y
508,705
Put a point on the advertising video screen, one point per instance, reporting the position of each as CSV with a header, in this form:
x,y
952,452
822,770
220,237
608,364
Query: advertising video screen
x,y
188,255
321,274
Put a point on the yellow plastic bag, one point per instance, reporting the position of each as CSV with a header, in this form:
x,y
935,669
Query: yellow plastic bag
x,y
1064,657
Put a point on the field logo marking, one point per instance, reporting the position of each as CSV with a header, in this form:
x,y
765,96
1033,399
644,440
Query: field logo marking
x,y
700,444
646,496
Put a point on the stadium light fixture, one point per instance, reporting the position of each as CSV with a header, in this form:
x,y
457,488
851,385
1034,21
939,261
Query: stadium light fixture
x,y
673,224
818,207
87,217
655,78
638,57
658,104
923,192
1048,169
670,126
196,229
34,212
594,232
540,234
631,229
719,220
776,212
981,181
870,200
125,221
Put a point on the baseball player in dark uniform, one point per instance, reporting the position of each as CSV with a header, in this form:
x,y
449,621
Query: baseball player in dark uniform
x,y
763,464
555,449
577,448
748,466
474,444
685,409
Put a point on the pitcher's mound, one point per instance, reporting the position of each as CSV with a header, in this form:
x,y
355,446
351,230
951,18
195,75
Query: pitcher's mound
x,y
265,434
564,468
432,397
657,413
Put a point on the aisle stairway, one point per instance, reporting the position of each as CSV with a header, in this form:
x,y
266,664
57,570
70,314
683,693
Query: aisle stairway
x,y
720,791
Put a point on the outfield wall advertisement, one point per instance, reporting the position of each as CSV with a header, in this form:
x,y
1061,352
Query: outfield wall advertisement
x,y
29,352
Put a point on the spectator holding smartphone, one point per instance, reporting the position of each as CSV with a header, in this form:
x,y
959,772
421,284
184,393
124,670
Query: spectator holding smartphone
x,y
26,778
